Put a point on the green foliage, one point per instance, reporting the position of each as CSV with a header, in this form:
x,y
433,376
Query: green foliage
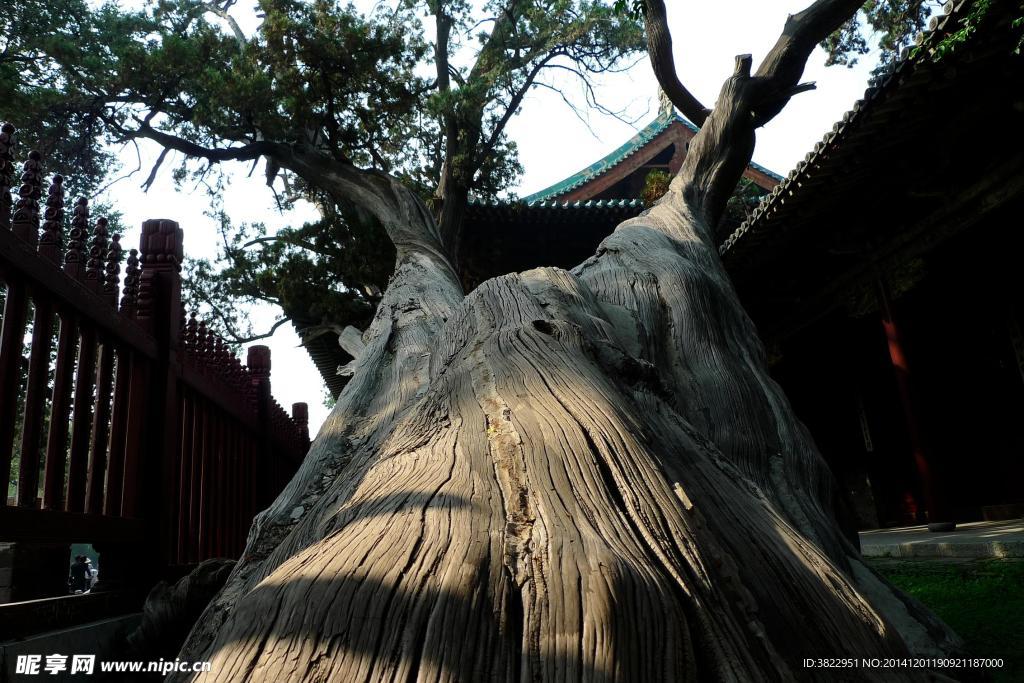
x,y
901,278
893,22
39,37
745,197
979,11
320,75
322,272
949,43
655,185
629,8
896,22
328,399
982,601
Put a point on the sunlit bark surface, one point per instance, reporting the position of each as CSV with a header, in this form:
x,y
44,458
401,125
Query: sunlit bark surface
x,y
581,475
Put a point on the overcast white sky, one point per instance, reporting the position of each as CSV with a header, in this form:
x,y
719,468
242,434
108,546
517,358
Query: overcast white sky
x,y
553,144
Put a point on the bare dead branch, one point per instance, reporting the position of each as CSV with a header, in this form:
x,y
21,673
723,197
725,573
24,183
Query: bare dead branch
x,y
222,12
277,238
156,167
659,49
722,149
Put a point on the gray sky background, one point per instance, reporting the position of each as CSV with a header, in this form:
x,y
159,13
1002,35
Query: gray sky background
x,y
553,143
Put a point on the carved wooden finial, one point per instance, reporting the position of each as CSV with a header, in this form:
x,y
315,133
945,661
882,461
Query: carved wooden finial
x,y
97,254
131,283
222,355
201,338
204,346
6,173
145,301
300,418
162,244
53,221
258,359
192,333
239,379
160,255
25,221
74,257
112,268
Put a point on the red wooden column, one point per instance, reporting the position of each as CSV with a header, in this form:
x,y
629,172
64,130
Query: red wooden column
x,y
258,359
938,519
159,312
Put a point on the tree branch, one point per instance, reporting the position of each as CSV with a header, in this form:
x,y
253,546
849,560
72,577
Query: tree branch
x,y
784,63
513,105
720,152
400,211
247,152
222,12
443,30
255,337
659,49
278,238
156,167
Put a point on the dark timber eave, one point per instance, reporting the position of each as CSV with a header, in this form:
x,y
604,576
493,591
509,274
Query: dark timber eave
x,y
934,145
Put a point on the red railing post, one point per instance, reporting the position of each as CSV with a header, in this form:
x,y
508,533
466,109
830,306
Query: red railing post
x,y
300,416
258,360
155,393
99,460
90,390
64,371
24,224
156,432
39,362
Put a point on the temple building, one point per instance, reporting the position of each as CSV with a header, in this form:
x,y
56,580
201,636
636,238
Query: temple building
x,y
567,220
882,273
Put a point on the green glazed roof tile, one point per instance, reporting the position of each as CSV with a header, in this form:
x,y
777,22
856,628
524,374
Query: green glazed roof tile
x,y
631,147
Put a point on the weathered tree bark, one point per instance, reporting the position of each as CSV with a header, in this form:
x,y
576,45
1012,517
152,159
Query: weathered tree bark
x,y
567,475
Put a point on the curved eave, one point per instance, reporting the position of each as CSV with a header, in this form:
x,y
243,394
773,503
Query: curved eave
x,y
490,205
610,161
830,147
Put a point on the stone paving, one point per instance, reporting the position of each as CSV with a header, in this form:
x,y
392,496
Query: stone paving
x,y
969,540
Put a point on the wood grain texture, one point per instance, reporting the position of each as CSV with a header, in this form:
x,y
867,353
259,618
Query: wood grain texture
x,y
581,475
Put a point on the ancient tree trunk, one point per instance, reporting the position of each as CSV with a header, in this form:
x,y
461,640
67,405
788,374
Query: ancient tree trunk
x,y
566,475
581,475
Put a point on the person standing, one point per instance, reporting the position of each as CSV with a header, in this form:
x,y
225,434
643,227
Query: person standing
x,y
80,578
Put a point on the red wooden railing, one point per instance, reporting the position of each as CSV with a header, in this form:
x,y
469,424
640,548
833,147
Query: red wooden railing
x,y
134,428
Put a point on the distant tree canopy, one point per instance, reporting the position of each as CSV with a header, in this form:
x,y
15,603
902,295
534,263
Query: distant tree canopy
x,y
893,22
377,91
419,90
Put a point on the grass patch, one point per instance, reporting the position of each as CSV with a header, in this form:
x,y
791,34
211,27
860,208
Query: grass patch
x,y
982,600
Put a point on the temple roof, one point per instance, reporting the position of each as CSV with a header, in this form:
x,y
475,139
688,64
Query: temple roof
x,y
934,148
616,157
912,72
